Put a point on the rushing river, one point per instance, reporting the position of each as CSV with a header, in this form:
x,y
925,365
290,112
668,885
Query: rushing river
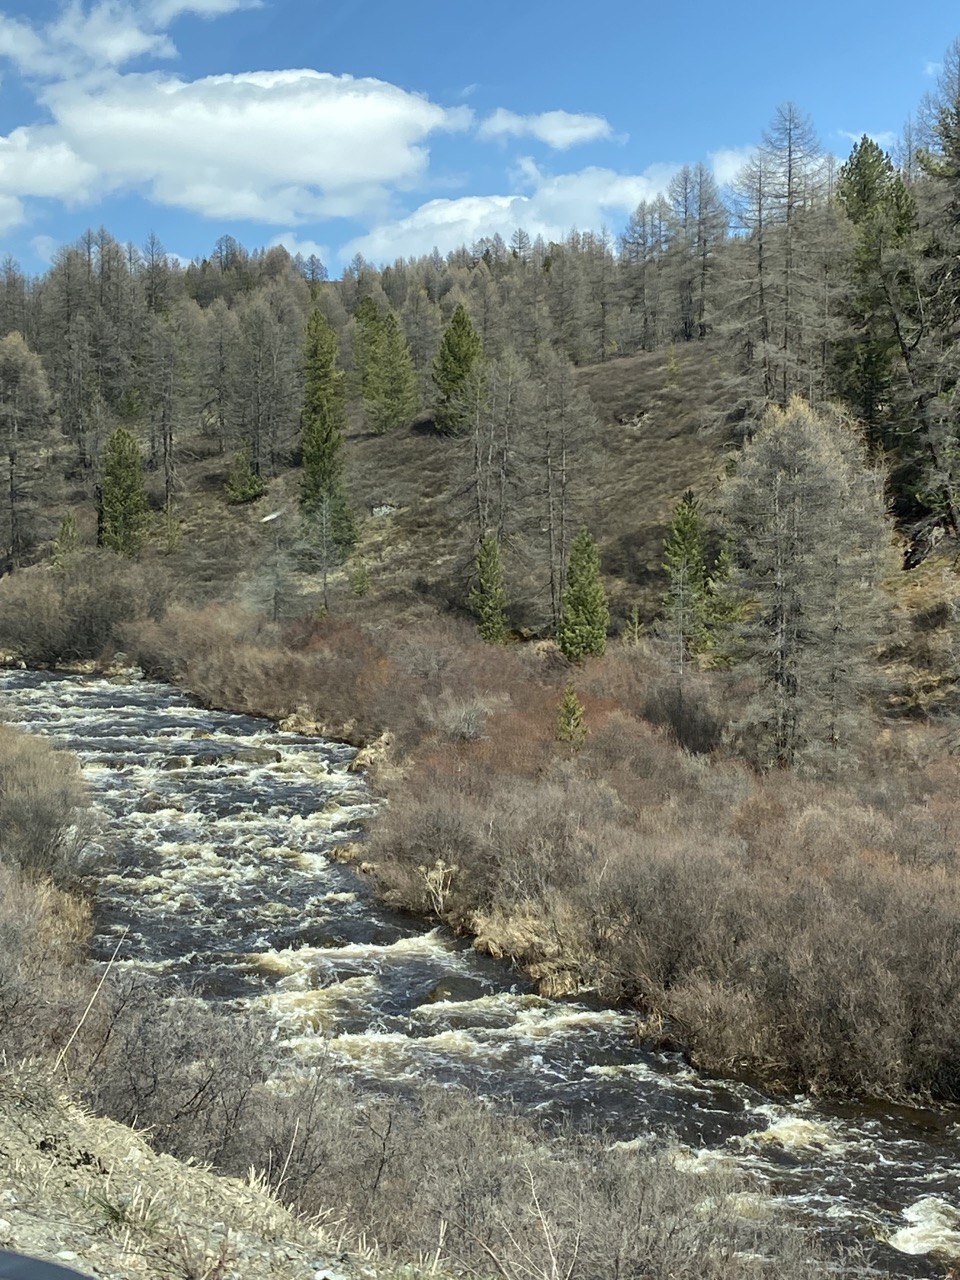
x,y
216,832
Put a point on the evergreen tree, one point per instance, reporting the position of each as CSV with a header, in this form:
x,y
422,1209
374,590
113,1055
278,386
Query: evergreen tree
x,y
123,497
390,395
586,616
322,491
367,332
884,218
811,541
459,352
571,720
243,484
488,598
684,623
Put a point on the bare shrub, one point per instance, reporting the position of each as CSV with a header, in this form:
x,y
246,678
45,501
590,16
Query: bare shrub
x,y
44,982
50,615
44,825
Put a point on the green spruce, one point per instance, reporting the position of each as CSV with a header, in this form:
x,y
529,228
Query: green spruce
x,y
323,498
586,616
459,353
488,598
571,720
390,395
242,483
123,502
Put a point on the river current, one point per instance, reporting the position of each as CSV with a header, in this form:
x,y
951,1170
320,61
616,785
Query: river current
x,y
216,835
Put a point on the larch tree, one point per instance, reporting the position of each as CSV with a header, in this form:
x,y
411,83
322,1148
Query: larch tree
x,y
460,351
123,497
811,543
25,432
586,615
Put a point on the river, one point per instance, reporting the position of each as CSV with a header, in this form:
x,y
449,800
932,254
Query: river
x,y
217,832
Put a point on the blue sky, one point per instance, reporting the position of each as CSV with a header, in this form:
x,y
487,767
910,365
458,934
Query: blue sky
x,y
387,126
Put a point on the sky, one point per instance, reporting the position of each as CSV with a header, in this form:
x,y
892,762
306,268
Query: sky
x,y
388,127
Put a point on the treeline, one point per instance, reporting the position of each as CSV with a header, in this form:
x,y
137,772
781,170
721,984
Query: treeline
x,y
825,282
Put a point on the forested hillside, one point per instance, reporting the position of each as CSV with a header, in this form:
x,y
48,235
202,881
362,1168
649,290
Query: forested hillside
x,y
637,543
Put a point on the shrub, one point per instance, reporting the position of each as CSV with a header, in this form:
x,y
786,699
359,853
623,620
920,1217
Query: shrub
x,y
44,826
50,615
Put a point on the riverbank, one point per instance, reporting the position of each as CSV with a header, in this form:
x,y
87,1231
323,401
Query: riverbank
x,y
791,931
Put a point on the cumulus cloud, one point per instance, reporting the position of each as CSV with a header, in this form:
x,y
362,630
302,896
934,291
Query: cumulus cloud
x,y
306,248
277,147
91,34
587,198
727,162
558,129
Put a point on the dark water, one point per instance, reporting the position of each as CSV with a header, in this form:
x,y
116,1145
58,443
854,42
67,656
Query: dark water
x,y
217,868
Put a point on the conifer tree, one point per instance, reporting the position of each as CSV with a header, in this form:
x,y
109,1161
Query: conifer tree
x,y
488,598
459,352
571,720
586,616
811,541
322,490
685,603
884,217
390,394
366,342
123,495
243,484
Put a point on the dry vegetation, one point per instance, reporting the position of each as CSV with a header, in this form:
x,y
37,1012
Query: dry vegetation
x,y
800,931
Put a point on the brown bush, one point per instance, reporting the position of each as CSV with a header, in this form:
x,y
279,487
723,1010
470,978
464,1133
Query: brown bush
x,y
44,825
52,615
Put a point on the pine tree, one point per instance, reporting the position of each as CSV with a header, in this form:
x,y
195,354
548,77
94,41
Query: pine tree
x,y
488,598
390,395
586,617
571,720
123,495
321,490
811,541
459,352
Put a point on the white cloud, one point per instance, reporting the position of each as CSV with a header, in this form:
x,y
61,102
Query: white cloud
x,y
884,138
558,129
275,146
44,247
932,69
164,11
727,162
12,213
91,34
587,198
306,248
